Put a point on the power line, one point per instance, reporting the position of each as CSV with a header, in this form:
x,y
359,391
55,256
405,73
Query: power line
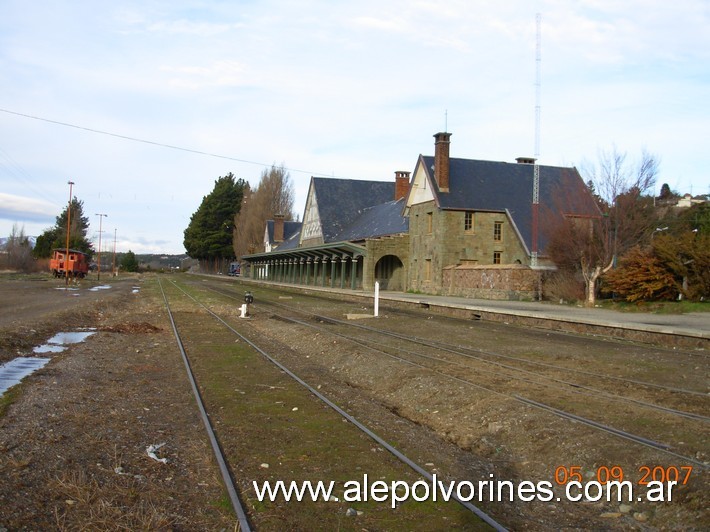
x,y
14,169
160,144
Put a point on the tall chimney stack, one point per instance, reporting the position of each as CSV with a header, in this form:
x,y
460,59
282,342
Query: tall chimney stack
x,y
278,227
441,160
401,185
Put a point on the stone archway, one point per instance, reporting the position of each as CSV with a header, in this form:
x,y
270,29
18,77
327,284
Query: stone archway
x,y
389,272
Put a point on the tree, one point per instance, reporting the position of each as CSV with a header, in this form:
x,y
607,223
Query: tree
x,y
56,237
673,262
18,250
642,276
208,237
129,262
273,195
672,267
592,246
666,193
686,257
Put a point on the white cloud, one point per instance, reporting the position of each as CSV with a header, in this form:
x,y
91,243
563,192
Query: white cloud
x,y
217,74
353,89
21,209
186,27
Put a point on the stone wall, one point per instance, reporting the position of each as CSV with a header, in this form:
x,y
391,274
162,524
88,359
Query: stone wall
x,y
439,240
396,245
506,281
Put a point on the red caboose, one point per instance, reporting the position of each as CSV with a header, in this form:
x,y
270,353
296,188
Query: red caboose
x,y
76,266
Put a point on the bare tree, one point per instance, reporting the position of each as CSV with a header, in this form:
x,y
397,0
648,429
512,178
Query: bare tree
x,y
621,189
273,195
612,176
18,250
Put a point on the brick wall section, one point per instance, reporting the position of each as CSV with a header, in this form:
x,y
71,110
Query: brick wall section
x,y
506,282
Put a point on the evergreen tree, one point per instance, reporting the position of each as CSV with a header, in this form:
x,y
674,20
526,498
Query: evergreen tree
x,y
129,263
667,193
56,237
209,234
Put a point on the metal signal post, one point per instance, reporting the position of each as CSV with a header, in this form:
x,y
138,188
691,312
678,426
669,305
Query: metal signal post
x,y
536,167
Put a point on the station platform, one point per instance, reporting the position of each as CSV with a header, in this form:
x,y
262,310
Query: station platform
x,y
670,330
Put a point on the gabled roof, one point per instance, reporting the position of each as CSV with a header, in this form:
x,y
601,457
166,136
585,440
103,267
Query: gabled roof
x,y
498,186
290,229
379,220
342,201
291,242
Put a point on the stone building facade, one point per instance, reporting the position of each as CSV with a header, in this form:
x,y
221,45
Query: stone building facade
x,y
458,227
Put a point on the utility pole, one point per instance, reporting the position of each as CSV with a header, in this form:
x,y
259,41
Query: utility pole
x,y
66,257
101,218
113,265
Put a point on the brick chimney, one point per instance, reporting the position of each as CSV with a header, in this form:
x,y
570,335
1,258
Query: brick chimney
x,y
278,227
401,185
441,160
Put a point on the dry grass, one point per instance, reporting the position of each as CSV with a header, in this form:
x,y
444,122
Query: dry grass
x,y
563,285
87,505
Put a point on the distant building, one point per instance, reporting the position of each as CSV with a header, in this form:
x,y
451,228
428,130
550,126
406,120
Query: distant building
x,y
458,227
688,201
279,231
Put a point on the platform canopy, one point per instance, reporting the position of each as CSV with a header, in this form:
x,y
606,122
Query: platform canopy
x,y
331,250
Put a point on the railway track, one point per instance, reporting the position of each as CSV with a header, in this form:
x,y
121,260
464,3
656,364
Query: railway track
x,y
229,485
528,376
223,458
452,362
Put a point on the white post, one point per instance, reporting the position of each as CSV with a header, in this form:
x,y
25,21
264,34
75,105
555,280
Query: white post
x,y
377,299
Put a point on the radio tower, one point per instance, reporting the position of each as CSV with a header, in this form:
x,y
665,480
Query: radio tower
x,y
536,167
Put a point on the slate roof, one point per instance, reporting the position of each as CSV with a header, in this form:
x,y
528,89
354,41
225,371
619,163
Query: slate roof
x,y
291,242
290,229
499,186
342,201
379,220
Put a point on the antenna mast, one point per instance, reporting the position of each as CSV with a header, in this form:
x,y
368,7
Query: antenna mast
x,y
536,167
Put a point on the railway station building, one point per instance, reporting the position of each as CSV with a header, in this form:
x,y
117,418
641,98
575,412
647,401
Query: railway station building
x,y
453,226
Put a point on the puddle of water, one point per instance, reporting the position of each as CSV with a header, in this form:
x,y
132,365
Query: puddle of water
x,y
59,342
47,348
17,369
101,287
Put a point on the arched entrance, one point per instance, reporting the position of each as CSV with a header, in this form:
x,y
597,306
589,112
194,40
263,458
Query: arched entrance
x,y
389,272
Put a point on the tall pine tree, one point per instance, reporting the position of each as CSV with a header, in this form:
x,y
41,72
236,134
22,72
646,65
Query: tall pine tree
x,y
208,237
56,237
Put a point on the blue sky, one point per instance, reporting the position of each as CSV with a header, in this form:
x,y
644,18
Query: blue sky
x,y
348,89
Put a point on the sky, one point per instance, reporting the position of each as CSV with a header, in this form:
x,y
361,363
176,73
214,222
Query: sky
x,y
144,104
